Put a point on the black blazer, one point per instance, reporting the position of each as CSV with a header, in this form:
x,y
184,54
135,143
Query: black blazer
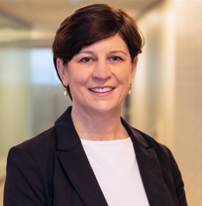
x,y
52,169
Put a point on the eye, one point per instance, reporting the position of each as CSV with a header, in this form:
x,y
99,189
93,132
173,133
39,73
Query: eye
x,y
85,59
115,58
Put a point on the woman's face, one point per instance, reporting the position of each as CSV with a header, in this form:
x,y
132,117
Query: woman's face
x,y
99,76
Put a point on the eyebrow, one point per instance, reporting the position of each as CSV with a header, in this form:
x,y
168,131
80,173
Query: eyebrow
x,y
111,52
88,52
118,51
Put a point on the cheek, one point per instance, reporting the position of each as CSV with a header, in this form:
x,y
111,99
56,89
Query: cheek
x,y
125,75
79,78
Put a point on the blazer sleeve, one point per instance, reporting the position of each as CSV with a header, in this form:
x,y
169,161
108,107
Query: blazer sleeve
x,y
24,182
179,184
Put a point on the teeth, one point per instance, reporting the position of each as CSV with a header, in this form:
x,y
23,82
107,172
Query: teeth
x,y
101,90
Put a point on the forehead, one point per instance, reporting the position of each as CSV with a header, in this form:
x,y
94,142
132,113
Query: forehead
x,y
114,43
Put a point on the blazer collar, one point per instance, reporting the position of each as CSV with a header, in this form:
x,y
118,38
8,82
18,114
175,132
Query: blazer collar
x,y
77,167
66,134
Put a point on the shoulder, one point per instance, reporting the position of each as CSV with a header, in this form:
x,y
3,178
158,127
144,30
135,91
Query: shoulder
x,y
144,141
163,152
170,170
41,150
36,155
30,168
153,143
40,143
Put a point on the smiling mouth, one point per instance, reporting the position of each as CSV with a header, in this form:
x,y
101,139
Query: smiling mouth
x,y
101,90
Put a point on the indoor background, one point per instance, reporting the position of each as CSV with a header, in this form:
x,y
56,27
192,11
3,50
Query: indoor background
x,y
166,101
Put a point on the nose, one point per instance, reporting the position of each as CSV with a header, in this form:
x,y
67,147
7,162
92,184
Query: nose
x,y
102,70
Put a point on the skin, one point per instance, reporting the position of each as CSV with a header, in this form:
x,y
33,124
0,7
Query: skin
x,y
104,64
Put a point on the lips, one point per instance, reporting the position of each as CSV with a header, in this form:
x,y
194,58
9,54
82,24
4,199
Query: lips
x,y
101,90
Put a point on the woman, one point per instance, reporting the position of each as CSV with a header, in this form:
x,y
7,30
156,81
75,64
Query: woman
x,y
92,156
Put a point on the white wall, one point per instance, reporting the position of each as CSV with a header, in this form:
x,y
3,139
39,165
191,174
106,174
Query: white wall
x,y
167,96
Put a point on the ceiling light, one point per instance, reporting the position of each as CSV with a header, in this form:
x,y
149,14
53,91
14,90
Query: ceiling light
x,y
74,2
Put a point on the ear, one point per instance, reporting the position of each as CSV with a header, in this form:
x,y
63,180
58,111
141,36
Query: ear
x,y
62,71
133,71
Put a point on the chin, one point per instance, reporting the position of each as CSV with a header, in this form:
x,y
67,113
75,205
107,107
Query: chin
x,y
106,107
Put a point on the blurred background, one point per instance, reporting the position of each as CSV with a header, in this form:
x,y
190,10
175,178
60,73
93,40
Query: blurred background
x,y
166,101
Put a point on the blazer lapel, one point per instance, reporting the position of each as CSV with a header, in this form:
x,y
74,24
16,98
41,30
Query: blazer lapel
x,y
75,162
149,167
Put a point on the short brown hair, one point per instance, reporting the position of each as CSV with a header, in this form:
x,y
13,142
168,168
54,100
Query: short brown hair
x,y
93,23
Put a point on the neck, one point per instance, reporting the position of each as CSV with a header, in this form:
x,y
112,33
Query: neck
x,y
98,127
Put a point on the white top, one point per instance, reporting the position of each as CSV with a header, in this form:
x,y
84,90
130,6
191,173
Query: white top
x,y
116,169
